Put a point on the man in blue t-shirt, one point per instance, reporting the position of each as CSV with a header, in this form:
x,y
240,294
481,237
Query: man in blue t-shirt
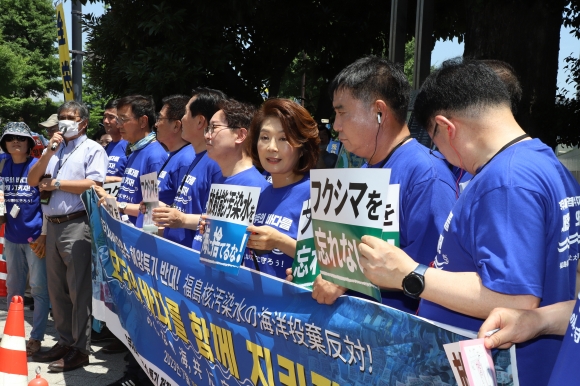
x,y
117,148
182,217
511,239
135,118
371,98
175,168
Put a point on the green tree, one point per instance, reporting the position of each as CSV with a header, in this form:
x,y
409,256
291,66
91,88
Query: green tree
x,y
28,63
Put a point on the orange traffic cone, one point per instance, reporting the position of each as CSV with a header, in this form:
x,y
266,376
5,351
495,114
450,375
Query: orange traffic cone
x,y
38,381
13,362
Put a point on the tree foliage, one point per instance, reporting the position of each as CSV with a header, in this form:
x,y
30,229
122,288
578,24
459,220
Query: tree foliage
x,y
253,49
28,63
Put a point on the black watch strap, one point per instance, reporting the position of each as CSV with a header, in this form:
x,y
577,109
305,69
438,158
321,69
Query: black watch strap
x,y
414,282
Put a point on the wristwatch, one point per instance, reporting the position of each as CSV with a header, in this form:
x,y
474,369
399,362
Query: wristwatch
x,y
414,283
122,206
57,184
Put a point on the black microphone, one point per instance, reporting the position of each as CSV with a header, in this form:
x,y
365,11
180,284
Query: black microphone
x,y
54,145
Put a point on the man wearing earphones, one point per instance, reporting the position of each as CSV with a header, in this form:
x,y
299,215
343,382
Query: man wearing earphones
x,y
370,98
70,164
511,240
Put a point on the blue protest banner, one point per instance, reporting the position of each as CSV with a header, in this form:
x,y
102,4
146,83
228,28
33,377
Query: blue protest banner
x,y
189,324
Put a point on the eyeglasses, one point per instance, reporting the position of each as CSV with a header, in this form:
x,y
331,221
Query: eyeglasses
x,y
211,129
122,121
10,138
68,117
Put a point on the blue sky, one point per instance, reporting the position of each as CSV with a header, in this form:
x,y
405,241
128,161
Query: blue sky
x,y
569,45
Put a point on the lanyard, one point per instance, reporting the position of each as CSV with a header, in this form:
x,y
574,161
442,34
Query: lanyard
x,y
384,162
513,141
60,163
191,168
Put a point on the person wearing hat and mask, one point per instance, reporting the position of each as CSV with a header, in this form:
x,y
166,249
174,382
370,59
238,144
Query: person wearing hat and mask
x,y
23,217
50,126
74,163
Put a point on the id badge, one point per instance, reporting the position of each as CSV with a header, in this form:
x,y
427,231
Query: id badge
x,y
15,210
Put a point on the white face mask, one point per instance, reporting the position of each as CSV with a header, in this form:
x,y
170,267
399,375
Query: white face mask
x,y
70,128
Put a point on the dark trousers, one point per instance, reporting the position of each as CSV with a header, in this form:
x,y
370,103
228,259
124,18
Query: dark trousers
x,y
68,269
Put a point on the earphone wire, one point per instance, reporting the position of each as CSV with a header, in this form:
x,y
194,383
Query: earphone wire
x,y
376,143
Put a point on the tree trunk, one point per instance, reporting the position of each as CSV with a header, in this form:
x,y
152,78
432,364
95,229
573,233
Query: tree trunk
x,y
525,34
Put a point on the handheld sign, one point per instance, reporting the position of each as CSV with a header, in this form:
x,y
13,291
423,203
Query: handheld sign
x,y
305,264
150,191
230,210
346,205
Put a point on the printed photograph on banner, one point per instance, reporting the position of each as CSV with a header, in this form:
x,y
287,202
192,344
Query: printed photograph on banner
x,y
230,210
305,264
112,208
112,188
391,231
347,204
150,191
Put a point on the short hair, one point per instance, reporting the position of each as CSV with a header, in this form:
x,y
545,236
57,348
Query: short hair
x,y
459,85
141,105
111,104
175,105
508,76
206,103
78,107
372,78
300,128
238,114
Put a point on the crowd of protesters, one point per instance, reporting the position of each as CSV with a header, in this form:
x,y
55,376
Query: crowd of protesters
x,y
488,220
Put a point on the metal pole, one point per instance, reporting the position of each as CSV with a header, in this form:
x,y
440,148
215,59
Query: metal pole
x,y
423,41
398,31
77,47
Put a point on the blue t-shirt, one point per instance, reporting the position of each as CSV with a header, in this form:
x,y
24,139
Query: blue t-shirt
x,y
566,371
248,177
28,222
143,161
516,224
192,198
116,151
170,176
279,208
426,195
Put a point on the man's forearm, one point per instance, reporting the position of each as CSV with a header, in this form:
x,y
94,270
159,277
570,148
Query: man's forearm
x,y
39,168
77,186
464,292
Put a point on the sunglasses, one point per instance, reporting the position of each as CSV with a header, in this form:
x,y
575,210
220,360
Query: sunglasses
x,y
10,138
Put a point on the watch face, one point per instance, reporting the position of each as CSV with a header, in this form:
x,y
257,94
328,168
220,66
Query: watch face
x,y
413,285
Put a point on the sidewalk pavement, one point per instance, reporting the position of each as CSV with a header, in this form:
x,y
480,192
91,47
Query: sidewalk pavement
x,y
102,370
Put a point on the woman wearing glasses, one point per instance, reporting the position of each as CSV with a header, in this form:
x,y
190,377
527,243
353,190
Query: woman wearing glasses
x,y
23,217
284,142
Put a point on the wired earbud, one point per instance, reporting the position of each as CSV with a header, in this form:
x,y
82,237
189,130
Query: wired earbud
x,y
379,115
